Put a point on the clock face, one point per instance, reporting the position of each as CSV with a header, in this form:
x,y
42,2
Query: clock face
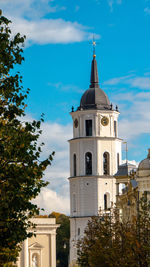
x,y
76,123
104,121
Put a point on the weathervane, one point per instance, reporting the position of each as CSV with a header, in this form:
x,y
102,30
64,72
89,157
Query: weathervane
x,y
94,43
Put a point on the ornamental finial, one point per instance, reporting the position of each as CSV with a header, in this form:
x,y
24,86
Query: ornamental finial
x,y
93,43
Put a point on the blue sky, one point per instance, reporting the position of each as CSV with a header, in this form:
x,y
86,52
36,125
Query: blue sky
x,y
57,65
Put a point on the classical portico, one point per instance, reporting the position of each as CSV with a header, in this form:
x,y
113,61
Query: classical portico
x,y
40,250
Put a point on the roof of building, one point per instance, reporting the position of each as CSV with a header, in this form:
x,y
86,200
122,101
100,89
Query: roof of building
x,y
145,163
134,183
94,97
125,169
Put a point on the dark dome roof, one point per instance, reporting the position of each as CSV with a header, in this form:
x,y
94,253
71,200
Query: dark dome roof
x,y
144,168
94,97
145,163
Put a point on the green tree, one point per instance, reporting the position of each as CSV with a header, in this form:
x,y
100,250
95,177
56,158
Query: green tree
x,y
21,170
110,242
62,238
143,231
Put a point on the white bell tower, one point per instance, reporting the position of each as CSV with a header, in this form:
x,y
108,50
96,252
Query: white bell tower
x,y
95,154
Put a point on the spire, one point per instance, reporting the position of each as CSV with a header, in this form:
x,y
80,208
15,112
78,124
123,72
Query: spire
x,y
94,74
94,71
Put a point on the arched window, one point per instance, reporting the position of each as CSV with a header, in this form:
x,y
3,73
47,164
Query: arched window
x,y
106,163
106,201
74,165
88,163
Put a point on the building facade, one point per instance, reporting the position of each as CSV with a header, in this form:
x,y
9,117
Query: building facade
x,y
95,154
137,184
40,250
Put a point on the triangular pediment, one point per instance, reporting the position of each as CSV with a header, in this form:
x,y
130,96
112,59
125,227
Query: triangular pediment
x,y
36,246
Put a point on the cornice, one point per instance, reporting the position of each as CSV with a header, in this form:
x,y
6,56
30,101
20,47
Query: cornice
x,y
95,137
91,177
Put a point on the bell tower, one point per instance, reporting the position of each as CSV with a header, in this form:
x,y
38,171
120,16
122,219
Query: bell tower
x,y
95,154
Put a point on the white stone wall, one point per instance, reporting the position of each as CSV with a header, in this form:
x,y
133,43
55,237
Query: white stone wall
x,y
143,183
95,116
97,146
87,191
75,224
106,185
89,194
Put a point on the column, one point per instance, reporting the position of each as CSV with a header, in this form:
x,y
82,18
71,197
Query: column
x,y
25,253
53,250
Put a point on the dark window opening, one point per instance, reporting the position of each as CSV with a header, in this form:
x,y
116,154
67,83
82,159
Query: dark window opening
x,y
115,128
105,202
106,163
145,195
74,165
88,163
74,203
88,126
78,231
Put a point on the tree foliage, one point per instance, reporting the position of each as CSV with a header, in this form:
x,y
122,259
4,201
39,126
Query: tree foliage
x,y
110,242
21,170
62,238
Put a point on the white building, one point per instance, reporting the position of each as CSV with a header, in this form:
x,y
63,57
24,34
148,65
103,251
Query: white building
x,y
143,176
95,153
40,250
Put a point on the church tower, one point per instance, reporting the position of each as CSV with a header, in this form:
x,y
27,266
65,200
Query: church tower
x,y
95,154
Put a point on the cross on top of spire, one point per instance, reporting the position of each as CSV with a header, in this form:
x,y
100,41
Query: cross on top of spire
x,y
94,71
94,43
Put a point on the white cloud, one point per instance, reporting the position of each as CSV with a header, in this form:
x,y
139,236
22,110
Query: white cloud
x,y
28,8
56,196
51,201
134,114
28,19
117,80
131,80
129,128
66,87
132,93
111,3
46,31
140,82
147,10
55,136
131,162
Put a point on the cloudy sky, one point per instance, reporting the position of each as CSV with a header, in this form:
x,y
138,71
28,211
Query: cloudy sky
x,y
58,55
